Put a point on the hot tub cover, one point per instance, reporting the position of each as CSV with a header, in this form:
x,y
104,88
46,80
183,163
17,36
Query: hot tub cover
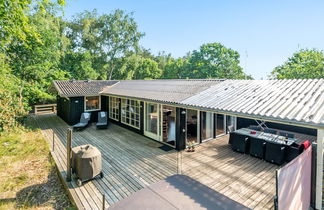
x,y
177,192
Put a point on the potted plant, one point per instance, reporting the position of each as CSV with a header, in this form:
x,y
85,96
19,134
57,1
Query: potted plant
x,y
191,146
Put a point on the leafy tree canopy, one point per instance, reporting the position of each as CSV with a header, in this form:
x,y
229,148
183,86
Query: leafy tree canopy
x,y
305,64
106,37
214,61
137,67
37,64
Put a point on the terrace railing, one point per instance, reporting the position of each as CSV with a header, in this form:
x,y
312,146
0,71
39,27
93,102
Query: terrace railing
x,y
45,109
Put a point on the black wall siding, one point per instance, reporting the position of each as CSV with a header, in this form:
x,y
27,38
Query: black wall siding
x,y
215,123
63,108
245,122
70,110
76,109
180,128
104,103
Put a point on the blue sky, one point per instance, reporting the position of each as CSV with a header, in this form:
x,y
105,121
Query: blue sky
x,y
265,33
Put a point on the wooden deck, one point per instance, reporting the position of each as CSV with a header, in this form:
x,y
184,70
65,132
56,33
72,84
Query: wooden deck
x,y
247,180
132,161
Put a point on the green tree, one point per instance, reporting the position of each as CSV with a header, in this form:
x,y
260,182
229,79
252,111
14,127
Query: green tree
x,y
107,38
137,67
175,69
16,30
163,59
14,20
304,64
214,61
147,69
37,64
80,65
12,109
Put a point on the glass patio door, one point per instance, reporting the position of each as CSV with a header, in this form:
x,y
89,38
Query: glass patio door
x,y
152,121
192,129
168,124
207,122
220,124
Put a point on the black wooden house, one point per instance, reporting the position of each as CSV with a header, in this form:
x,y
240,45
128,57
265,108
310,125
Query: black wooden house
x,y
179,112
77,96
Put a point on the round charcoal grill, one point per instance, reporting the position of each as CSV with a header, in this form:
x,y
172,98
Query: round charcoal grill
x,y
86,163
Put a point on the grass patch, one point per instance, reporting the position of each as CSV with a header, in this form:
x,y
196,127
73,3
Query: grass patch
x,y
27,172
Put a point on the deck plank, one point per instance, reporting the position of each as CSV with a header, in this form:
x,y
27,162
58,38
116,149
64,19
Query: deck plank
x,y
132,162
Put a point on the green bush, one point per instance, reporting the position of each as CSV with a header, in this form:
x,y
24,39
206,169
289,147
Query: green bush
x,y
12,111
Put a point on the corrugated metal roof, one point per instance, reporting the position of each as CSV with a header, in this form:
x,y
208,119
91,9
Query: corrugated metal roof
x,y
171,91
300,101
74,88
288,100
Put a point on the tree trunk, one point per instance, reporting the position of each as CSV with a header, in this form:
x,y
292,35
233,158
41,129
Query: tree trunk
x,y
111,72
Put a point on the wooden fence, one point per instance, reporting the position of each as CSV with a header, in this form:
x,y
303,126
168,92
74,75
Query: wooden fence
x,y
45,109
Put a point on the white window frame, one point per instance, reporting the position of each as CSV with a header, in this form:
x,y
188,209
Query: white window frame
x,y
123,117
91,110
110,108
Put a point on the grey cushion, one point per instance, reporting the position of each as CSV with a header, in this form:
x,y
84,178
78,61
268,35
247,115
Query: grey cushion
x,y
80,125
100,123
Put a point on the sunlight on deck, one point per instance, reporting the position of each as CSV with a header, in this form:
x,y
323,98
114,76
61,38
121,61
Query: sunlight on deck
x,y
132,162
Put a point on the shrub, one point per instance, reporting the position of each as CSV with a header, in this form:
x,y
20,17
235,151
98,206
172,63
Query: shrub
x,y
12,111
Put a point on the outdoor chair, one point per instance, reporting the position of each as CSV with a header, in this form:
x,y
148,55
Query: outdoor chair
x,y
84,121
239,143
102,120
230,128
287,135
269,130
254,127
275,153
257,147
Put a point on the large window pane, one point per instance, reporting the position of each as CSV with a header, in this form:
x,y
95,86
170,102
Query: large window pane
x,y
220,124
114,108
168,124
92,103
206,125
192,125
130,113
152,118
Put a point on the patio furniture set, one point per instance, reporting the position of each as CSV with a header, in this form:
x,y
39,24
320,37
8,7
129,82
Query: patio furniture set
x,y
269,144
85,119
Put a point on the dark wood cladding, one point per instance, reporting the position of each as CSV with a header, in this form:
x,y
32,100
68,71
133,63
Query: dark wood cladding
x,y
70,109
63,109
180,128
76,109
